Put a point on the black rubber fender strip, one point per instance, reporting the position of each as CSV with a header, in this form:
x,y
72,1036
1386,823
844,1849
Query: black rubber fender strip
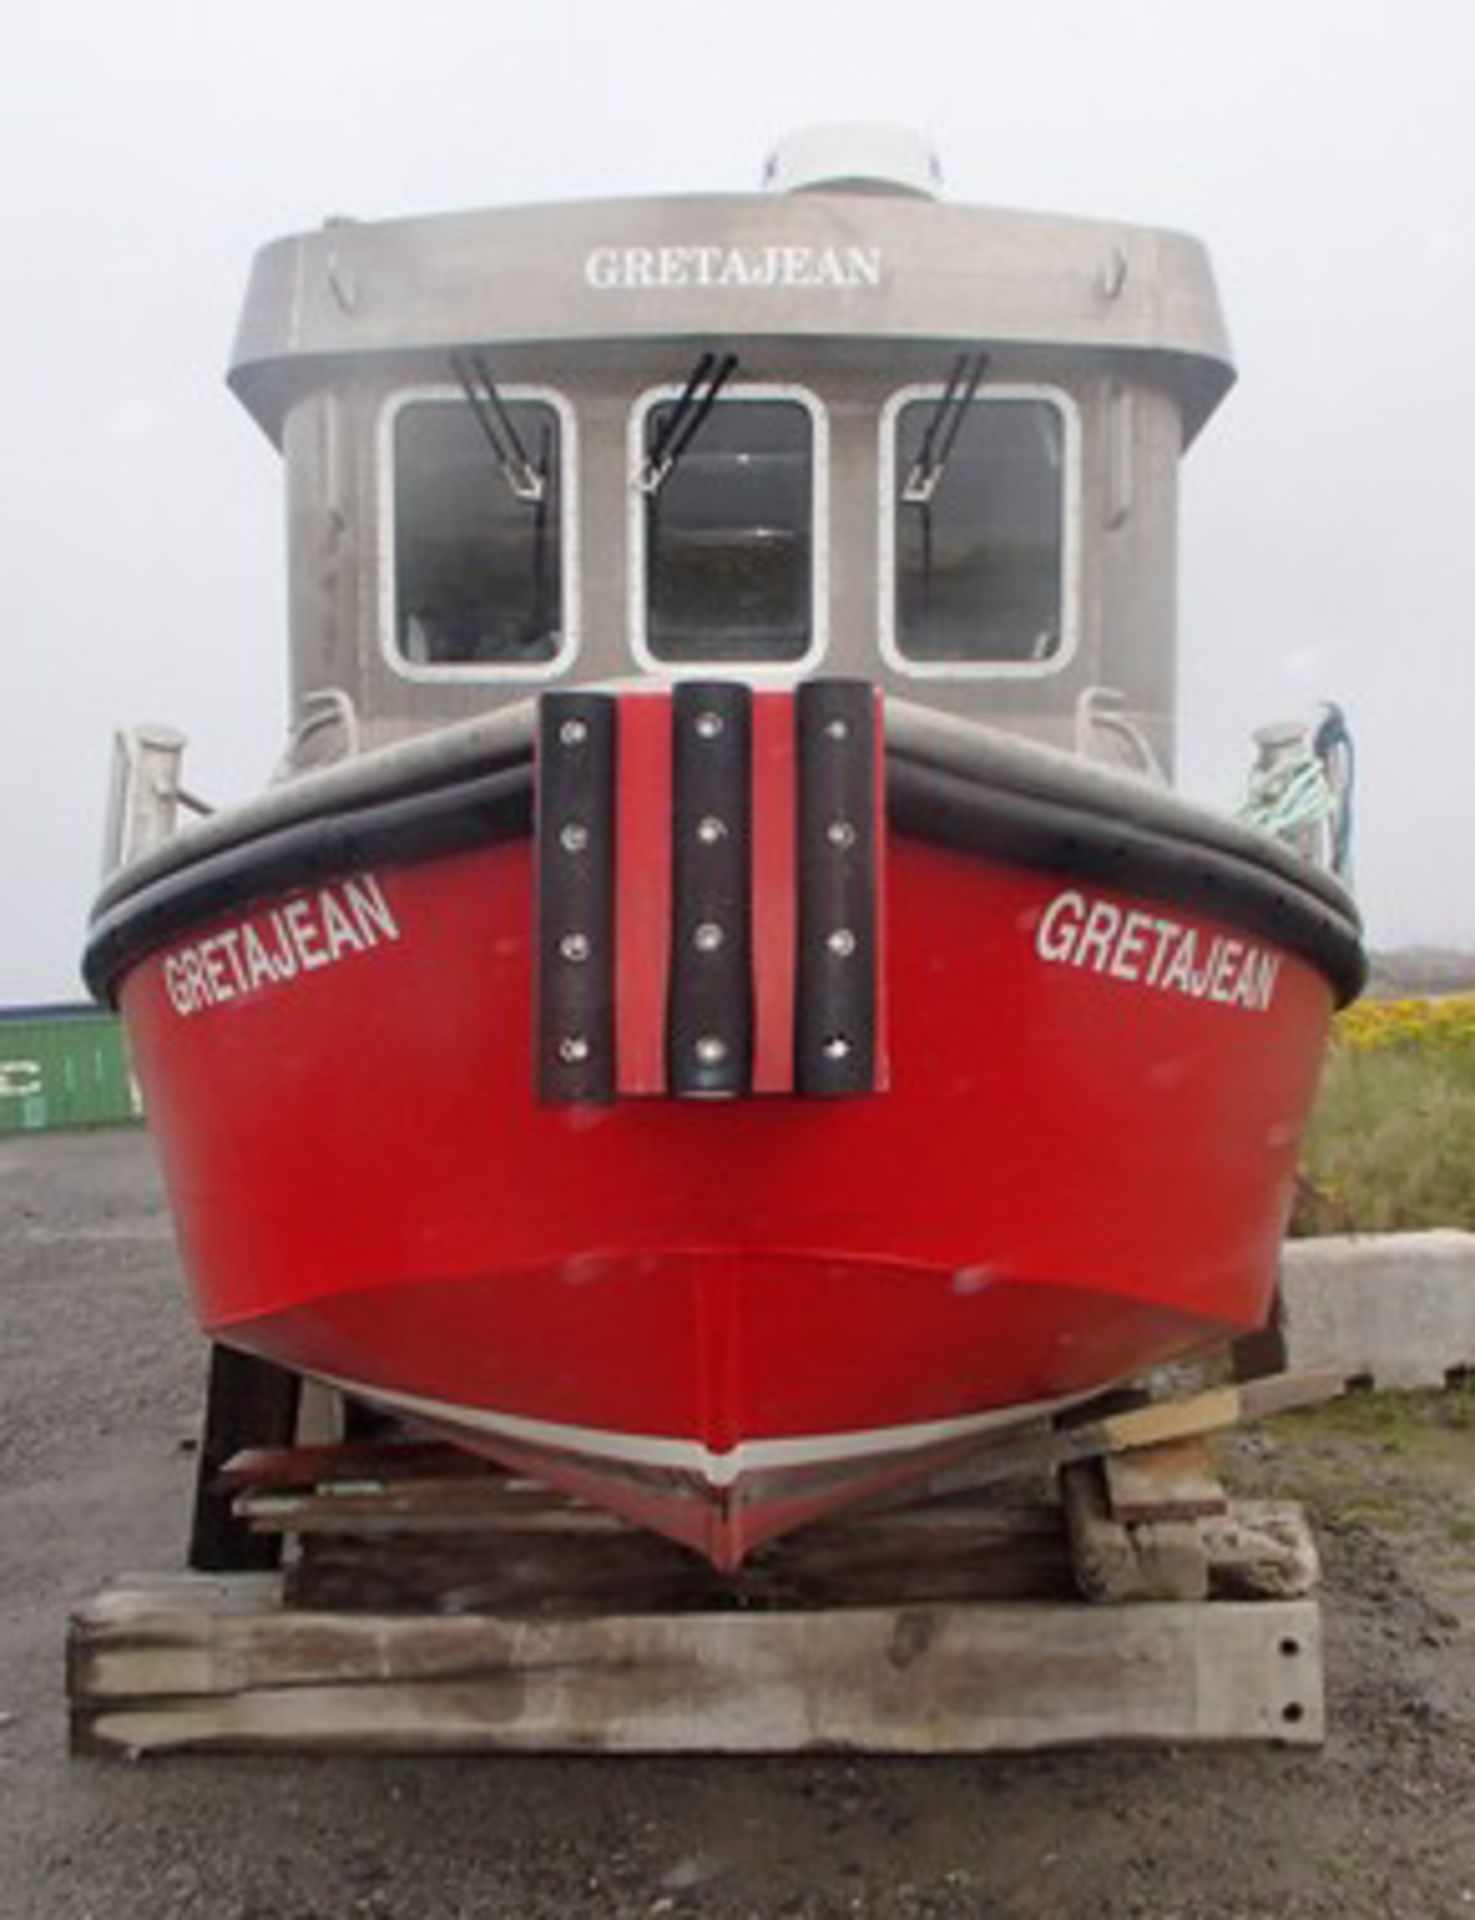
x,y
574,1024
835,975
472,813
709,1007
948,810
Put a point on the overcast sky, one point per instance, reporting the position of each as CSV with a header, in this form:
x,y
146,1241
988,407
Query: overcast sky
x,y
1325,149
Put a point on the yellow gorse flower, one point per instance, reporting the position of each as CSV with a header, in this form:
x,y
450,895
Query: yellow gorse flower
x,y
1444,1025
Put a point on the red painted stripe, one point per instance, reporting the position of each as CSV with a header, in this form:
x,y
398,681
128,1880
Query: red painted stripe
x,y
775,880
643,892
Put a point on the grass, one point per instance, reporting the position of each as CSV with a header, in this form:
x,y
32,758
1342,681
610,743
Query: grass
x,y
1395,1463
1392,1142
1399,1420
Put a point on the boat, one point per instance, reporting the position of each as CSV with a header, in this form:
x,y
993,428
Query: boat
x,y
722,1008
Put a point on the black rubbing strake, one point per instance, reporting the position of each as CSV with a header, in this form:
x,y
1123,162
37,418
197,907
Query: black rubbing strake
x,y
435,814
835,988
418,824
709,1015
575,1041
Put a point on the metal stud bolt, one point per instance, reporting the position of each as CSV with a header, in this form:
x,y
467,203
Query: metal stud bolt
x,y
710,1051
710,830
837,729
840,834
574,837
574,946
708,937
708,724
573,733
841,943
573,1049
836,1048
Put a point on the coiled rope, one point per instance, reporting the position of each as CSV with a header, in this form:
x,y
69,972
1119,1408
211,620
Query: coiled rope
x,y
1301,789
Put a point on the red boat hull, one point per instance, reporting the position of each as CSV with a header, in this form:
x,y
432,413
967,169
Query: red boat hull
x,y
722,1318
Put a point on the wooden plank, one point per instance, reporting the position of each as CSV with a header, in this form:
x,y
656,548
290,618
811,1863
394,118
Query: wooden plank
x,y
1214,1410
489,1505
1014,1455
148,1677
1173,1481
353,1461
935,1555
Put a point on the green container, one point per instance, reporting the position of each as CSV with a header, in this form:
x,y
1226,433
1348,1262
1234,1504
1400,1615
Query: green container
x,y
64,1067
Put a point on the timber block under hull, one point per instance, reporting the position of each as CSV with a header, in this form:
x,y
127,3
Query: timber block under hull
x,y
188,1662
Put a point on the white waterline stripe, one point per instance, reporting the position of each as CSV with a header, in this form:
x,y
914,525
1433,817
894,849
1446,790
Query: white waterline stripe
x,y
691,1456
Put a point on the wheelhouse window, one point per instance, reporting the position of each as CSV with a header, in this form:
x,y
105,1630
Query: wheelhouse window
x,y
980,525
479,548
726,496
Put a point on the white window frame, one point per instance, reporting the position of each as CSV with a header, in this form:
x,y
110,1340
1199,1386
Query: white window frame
x,y
819,497
991,394
479,672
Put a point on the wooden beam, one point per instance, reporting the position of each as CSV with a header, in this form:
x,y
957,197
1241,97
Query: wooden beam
x,y
900,1559
154,1671
248,1402
1172,1481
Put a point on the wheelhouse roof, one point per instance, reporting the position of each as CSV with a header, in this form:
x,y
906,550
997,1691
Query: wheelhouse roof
x,y
850,266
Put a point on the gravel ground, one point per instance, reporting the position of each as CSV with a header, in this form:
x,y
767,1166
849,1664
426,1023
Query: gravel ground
x,y
99,1385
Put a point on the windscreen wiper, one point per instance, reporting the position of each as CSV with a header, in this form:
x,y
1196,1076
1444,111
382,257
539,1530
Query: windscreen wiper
x,y
943,429
524,480
682,424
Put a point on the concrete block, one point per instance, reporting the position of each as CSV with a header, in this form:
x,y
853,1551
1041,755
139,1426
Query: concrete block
x,y
1398,1308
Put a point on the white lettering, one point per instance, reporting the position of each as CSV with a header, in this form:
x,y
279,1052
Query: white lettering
x,y
1225,966
1266,968
862,267
1179,976
798,266
310,932
285,959
304,935
1155,951
1131,944
338,927
1165,931
194,973
1060,928
259,969
231,941
1101,929
176,986
630,269
371,909
220,986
